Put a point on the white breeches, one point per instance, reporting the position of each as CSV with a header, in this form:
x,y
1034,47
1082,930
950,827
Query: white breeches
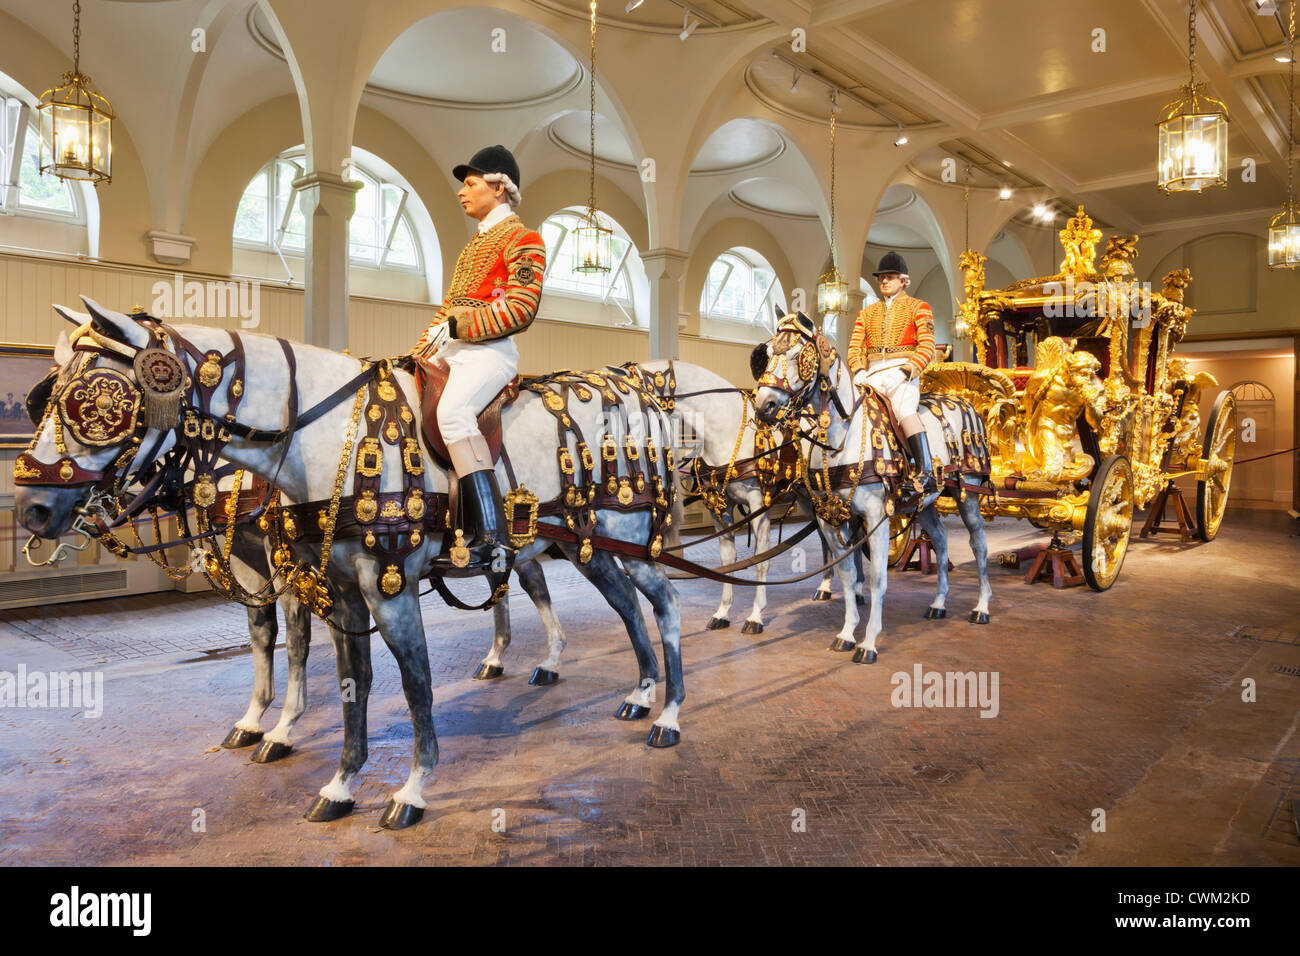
x,y
477,373
889,378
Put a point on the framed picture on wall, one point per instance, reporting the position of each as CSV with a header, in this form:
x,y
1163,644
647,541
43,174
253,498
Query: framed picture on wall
x,y
21,367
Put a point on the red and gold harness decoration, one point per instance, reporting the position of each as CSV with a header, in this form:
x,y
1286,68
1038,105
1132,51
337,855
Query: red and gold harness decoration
x,y
497,284
904,330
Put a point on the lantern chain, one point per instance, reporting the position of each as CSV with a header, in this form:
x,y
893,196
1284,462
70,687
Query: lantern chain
x,y
591,185
1191,44
835,265
76,36
1290,115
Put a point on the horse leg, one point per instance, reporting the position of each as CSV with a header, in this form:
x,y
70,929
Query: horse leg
x,y
969,509
727,551
297,640
823,592
932,525
762,541
534,582
872,511
858,578
616,587
249,565
654,584
400,624
844,641
352,656
262,630
490,667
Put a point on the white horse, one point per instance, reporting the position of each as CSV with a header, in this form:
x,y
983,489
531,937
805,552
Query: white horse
x,y
796,377
305,466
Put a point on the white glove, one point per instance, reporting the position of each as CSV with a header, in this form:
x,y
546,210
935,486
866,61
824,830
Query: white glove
x,y
860,377
439,336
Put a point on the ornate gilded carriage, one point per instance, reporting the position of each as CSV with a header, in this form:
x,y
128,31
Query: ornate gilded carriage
x,y
1089,414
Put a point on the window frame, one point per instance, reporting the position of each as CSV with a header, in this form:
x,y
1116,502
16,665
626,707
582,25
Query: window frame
x,y
16,126
763,315
276,232
564,220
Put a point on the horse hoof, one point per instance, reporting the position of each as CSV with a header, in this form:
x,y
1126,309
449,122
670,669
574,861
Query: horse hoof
x,y
821,595
664,737
841,645
489,671
399,816
269,751
717,623
632,712
935,613
864,656
979,617
543,678
752,627
324,810
859,600
239,738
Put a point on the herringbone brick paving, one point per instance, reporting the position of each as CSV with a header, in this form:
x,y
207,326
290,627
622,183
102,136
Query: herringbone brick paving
x,y
791,755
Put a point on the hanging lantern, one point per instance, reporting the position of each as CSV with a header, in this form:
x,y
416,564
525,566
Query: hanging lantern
x,y
76,123
832,293
594,253
1192,146
1284,228
592,244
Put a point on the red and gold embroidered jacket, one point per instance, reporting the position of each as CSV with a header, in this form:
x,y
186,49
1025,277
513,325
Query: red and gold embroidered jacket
x,y
906,331
497,282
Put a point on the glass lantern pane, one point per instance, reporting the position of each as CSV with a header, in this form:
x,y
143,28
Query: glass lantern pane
x,y
1284,246
101,153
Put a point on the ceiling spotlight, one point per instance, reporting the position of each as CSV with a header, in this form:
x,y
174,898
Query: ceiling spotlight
x,y
1264,8
902,137
1282,58
1042,213
794,82
633,5
689,23
1006,163
1004,193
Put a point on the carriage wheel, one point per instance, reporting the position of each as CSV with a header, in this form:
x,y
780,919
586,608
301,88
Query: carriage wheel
x,y
900,532
1218,450
1108,523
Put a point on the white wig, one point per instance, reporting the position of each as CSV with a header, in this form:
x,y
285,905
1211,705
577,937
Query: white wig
x,y
512,191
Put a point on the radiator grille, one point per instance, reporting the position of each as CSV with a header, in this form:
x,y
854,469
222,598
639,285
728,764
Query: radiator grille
x,y
90,583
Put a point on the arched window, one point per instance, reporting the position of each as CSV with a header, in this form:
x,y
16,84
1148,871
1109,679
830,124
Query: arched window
x,y
613,287
742,287
380,233
23,190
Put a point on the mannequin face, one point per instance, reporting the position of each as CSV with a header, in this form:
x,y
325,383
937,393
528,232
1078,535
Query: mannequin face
x,y
478,197
891,283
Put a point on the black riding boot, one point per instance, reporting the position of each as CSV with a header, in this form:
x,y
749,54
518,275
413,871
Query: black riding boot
x,y
921,459
484,529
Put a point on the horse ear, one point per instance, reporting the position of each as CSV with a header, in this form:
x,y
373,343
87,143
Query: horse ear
x,y
76,318
780,312
63,349
116,325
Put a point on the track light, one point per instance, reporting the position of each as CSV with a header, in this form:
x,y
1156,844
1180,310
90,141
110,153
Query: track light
x,y
633,5
902,137
1004,193
1043,213
794,82
689,23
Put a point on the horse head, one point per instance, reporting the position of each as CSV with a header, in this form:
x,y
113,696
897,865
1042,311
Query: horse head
x,y
797,358
94,431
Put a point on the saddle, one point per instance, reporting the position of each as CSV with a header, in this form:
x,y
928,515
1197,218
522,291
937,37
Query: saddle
x,y
432,379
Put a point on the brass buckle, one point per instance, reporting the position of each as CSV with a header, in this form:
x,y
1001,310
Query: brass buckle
x,y
411,457
633,452
566,461
515,498
370,458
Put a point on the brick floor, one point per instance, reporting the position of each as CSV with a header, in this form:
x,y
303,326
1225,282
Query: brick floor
x,y
1127,701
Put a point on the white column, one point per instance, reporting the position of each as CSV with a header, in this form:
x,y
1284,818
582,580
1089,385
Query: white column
x,y
665,269
327,203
